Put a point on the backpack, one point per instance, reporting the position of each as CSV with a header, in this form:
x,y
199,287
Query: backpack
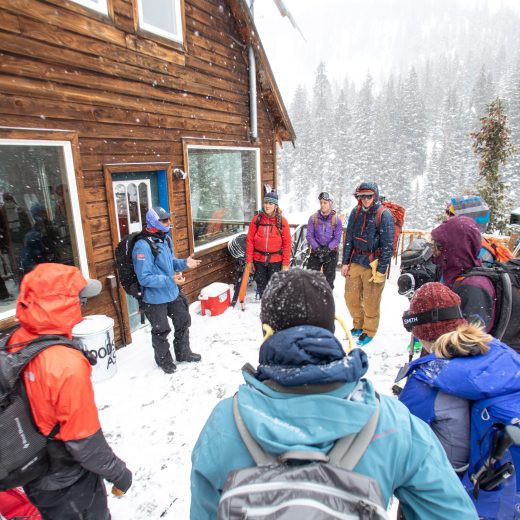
x,y
498,251
303,484
334,220
23,449
125,265
489,417
506,281
397,212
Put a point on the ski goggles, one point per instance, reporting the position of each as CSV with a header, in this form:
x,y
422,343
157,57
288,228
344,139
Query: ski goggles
x,y
434,316
324,196
365,196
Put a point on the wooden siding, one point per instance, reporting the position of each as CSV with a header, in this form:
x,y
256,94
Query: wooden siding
x,y
130,97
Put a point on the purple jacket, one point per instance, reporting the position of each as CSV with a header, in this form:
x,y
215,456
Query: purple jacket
x,y
461,242
323,233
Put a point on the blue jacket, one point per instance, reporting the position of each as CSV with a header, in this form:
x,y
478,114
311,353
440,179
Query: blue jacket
x,y
363,239
155,274
323,233
433,382
404,456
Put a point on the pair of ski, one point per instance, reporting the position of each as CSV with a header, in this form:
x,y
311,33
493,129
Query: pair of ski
x,y
240,288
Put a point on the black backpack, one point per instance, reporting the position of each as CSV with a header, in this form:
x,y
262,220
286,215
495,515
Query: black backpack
x,y
506,280
23,449
125,265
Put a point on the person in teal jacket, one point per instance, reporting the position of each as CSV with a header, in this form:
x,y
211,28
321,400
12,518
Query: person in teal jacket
x,y
297,399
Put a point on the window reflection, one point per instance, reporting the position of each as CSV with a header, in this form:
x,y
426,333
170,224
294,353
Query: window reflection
x,y
223,185
36,223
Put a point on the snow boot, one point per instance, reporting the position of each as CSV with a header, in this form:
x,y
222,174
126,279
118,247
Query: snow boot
x,y
190,357
364,339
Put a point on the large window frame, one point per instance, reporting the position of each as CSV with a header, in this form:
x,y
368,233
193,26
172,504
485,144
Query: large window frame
x,y
95,6
68,142
219,242
145,26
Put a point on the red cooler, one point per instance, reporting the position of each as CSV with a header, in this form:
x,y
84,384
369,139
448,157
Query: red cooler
x,y
214,299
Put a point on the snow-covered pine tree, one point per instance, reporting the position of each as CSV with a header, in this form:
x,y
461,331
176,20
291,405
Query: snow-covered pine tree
x,y
493,144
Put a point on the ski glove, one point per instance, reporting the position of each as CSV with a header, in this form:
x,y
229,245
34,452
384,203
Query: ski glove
x,y
378,277
123,483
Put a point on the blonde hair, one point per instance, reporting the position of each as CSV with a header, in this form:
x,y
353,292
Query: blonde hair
x,y
468,339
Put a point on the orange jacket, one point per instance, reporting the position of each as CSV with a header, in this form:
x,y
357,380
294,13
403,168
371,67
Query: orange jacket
x,y
267,238
58,380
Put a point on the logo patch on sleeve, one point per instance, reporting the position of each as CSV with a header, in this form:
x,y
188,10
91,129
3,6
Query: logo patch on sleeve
x,y
140,256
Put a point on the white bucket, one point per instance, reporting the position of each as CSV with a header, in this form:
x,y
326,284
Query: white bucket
x,y
96,333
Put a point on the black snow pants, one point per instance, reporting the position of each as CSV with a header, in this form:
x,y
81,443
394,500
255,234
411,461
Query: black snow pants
x,y
329,264
263,273
158,314
86,499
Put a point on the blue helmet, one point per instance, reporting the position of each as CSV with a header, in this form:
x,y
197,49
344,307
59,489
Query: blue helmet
x,y
154,216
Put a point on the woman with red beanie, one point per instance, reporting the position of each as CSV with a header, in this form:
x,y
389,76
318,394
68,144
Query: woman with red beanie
x,y
466,371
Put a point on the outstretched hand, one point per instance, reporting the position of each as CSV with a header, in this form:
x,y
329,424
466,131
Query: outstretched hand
x,y
191,262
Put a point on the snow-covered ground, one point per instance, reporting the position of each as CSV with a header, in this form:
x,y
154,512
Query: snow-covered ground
x,y
152,420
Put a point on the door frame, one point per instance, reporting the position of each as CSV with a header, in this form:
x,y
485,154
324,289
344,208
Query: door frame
x,y
164,186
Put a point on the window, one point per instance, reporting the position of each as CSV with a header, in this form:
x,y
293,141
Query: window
x,y
162,17
40,219
97,5
224,191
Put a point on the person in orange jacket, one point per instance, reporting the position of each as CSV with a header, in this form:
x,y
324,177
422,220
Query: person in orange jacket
x,y
268,244
60,394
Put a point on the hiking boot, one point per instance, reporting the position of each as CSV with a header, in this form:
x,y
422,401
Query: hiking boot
x,y
189,358
356,332
364,339
168,367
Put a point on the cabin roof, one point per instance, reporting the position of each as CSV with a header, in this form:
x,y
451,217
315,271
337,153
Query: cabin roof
x,y
268,87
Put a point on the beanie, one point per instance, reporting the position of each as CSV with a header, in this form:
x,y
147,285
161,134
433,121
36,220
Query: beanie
x,y
434,295
298,297
271,197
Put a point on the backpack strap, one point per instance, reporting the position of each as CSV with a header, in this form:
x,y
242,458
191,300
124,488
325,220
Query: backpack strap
x,y
260,456
12,363
347,451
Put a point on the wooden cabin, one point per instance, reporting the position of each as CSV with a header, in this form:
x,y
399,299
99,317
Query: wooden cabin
x,y
108,107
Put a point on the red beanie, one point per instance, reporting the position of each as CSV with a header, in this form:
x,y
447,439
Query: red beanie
x,y
430,296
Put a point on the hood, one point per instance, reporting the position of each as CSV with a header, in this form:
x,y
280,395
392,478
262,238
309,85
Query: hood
x,y
369,186
282,422
306,354
49,299
461,241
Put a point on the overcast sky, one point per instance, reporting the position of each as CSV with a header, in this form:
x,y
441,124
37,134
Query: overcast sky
x,y
351,36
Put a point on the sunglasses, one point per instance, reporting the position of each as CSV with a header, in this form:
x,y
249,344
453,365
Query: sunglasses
x,y
323,196
364,197
437,247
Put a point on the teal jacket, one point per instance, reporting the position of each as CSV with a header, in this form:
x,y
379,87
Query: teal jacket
x,y
405,457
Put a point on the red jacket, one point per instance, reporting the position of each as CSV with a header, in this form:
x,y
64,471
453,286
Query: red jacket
x,y
268,238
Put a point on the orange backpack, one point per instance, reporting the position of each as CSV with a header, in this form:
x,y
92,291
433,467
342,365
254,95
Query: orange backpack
x,y
498,250
397,212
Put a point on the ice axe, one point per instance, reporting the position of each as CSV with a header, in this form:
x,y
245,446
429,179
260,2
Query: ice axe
x,y
489,477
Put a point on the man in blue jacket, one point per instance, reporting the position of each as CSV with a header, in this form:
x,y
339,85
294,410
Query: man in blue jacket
x,y
323,236
366,256
160,275
306,394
